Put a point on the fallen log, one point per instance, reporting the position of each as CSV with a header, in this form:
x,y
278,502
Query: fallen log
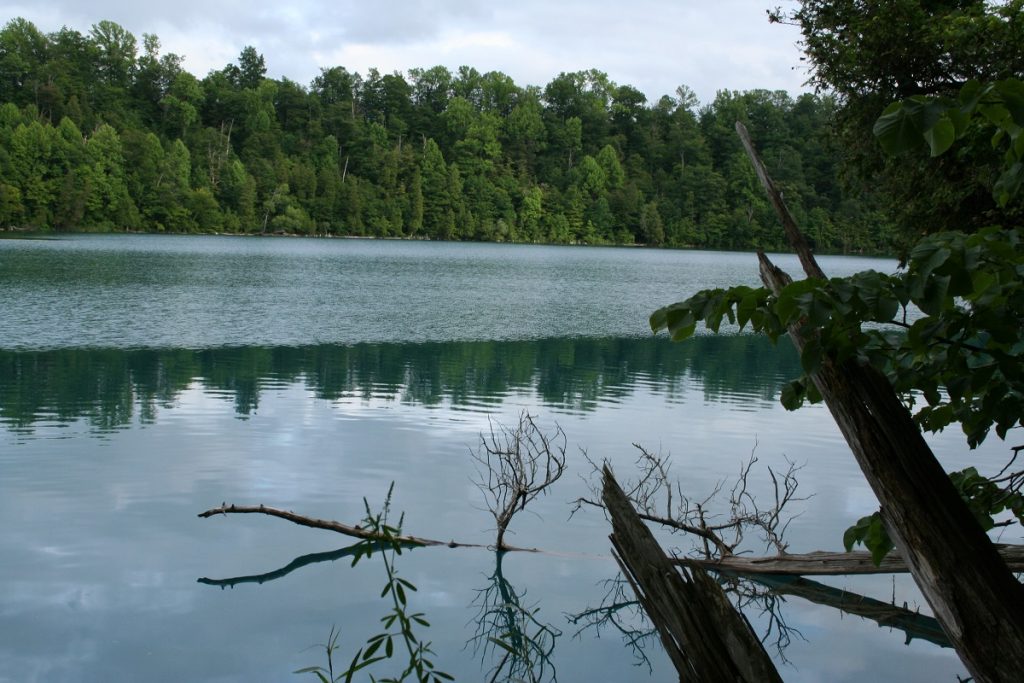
x,y
823,563
703,634
354,531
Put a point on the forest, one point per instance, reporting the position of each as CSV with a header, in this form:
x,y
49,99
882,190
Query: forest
x,y
100,133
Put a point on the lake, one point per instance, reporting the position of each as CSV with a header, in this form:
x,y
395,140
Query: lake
x,y
144,379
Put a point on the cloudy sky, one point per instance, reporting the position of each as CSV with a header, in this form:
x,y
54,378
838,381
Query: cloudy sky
x,y
654,45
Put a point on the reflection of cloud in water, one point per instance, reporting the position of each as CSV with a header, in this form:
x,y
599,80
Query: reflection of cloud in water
x,y
108,525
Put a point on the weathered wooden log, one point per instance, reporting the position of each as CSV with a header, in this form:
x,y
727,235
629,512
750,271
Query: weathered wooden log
x,y
704,635
972,592
823,563
345,529
312,522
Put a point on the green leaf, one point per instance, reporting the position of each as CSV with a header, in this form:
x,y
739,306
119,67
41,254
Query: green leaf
x,y
933,299
869,531
503,645
940,137
897,129
1008,185
309,670
850,537
372,648
811,356
905,125
972,93
658,320
1011,92
880,550
928,255
793,395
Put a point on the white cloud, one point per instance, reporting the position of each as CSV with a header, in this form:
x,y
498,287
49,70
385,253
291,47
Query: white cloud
x,y
650,44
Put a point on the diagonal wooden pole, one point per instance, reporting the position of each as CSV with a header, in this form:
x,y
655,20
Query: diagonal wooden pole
x,y
972,592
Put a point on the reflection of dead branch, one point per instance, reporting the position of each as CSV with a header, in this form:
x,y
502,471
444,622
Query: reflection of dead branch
x,y
515,465
749,595
619,612
297,563
660,500
507,627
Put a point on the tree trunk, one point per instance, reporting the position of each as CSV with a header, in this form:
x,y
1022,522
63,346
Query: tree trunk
x,y
707,640
972,592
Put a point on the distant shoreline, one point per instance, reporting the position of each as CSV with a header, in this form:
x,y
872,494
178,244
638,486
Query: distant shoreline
x,y
28,234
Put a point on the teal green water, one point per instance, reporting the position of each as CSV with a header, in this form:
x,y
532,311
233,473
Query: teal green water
x,y
145,379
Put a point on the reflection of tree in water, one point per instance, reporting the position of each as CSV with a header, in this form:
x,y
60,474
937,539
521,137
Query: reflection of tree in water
x,y
110,388
510,634
764,595
619,612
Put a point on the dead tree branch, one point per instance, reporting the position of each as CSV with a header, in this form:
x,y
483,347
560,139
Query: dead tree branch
x,y
515,465
704,636
822,563
659,499
348,530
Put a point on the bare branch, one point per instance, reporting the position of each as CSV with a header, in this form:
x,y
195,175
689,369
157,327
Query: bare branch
x,y
515,465
659,499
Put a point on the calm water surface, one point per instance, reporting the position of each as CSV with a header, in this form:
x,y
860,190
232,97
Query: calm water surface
x,y
144,379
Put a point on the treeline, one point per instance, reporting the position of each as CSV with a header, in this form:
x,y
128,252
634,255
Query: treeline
x,y
98,134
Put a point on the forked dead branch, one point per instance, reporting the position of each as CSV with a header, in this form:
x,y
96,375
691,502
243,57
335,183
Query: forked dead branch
x,y
514,465
661,500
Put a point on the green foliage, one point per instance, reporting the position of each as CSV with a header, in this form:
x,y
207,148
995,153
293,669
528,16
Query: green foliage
x,y
399,623
873,54
946,330
985,499
428,154
940,121
871,533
